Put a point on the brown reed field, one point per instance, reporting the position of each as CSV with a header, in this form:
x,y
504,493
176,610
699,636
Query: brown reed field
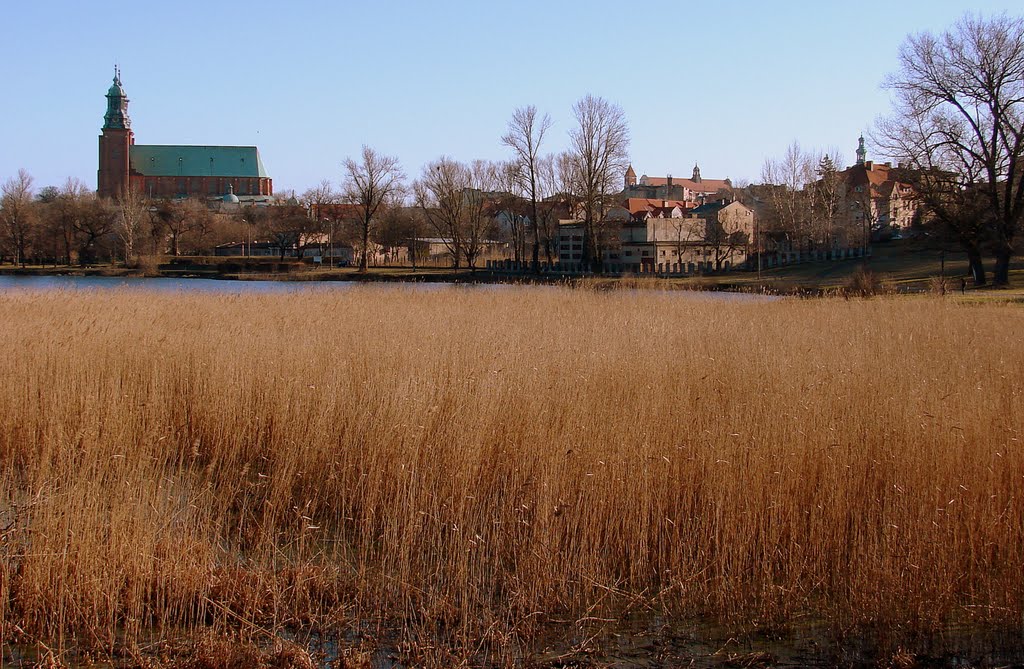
x,y
470,465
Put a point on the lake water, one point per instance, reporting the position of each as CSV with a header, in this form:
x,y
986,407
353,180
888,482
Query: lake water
x,y
227,286
161,284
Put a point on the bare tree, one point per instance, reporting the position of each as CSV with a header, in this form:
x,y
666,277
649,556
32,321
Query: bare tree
x,y
958,122
317,200
550,204
93,226
288,226
724,240
132,220
827,196
788,196
478,221
510,205
598,157
77,218
685,233
372,182
63,207
16,213
524,136
398,228
178,220
439,195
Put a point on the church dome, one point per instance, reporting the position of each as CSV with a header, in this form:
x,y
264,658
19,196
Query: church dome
x,y
230,198
115,90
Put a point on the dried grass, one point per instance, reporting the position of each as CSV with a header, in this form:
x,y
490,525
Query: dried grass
x,y
472,462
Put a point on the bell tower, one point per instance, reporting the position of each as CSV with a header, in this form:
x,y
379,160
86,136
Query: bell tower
x,y
115,142
862,153
630,177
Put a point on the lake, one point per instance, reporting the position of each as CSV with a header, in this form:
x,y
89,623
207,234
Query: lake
x,y
227,286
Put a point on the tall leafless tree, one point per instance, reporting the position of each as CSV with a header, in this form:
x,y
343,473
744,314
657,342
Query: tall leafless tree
x,y
63,209
439,195
93,227
958,122
132,219
827,196
598,157
550,205
372,182
178,221
508,182
317,200
478,220
787,194
16,213
524,136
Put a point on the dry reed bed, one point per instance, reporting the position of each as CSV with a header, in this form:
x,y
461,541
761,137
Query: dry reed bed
x,y
477,461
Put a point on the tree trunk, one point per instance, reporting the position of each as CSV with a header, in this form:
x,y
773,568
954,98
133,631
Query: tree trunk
x,y
536,241
1001,273
366,247
975,266
587,255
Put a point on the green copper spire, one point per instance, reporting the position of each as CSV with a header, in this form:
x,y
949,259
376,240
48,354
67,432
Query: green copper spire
x,y
862,153
117,105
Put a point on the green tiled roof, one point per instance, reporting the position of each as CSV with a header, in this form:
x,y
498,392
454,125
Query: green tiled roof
x,y
154,160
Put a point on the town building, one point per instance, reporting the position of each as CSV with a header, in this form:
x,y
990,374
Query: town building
x,y
877,198
695,189
173,171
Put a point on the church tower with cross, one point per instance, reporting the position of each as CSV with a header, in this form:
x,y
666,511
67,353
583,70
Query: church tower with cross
x,y
116,140
172,170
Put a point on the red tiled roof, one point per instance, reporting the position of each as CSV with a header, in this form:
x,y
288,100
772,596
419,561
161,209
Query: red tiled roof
x,y
639,204
703,186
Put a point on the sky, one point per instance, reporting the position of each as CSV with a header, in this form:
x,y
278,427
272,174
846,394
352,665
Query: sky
x,y
722,85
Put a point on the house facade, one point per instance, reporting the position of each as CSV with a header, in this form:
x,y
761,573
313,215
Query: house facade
x,y
876,199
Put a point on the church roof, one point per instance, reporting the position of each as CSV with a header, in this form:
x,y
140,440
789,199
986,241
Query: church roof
x,y
702,186
154,160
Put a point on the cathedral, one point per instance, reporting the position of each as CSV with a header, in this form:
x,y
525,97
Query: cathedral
x,y
172,171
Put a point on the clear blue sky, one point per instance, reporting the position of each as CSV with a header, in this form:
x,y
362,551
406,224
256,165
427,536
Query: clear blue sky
x,y
723,85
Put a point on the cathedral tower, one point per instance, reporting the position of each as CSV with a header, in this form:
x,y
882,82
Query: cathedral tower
x,y
862,153
115,142
630,177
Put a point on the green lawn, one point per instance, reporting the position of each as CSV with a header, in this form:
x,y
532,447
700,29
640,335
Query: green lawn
x,y
902,265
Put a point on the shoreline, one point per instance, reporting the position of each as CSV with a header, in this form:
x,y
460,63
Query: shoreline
x,y
834,280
